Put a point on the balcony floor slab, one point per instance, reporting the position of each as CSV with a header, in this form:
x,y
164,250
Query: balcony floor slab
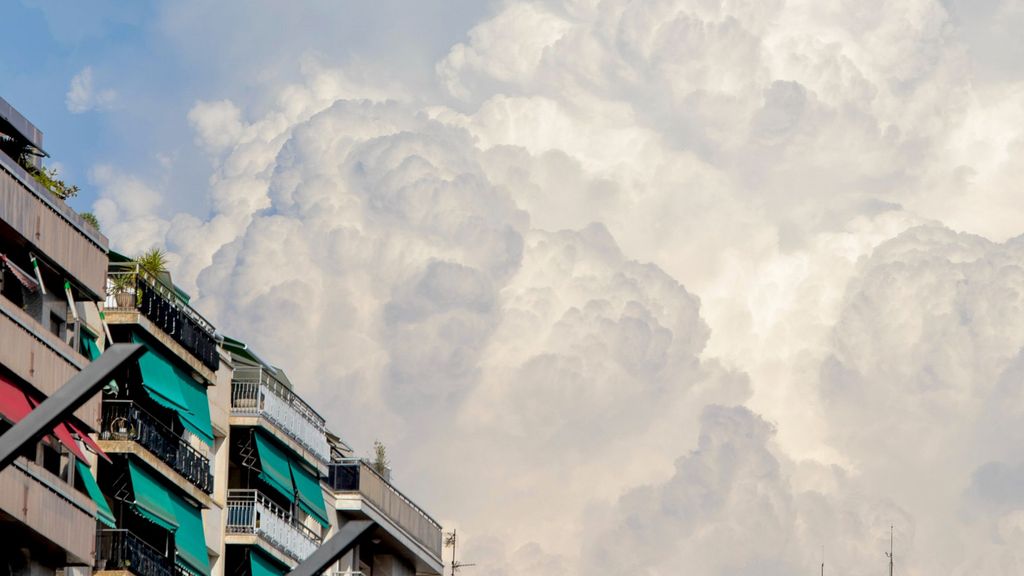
x,y
279,434
136,449
354,506
261,543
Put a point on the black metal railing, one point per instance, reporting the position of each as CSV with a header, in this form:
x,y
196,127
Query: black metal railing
x,y
122,550
132,289
125,420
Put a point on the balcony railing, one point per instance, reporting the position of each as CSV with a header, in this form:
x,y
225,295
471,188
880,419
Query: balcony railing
x,y
250,512
354,475
122,550
125,420
255,393
131,289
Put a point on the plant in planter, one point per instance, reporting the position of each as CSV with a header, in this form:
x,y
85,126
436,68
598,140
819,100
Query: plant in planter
x,y
152,264
122,286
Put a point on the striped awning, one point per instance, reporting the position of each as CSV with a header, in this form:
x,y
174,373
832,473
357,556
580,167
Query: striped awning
x,y
26,279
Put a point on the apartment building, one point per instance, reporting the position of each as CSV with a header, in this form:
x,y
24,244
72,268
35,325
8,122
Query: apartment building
x,y
293,483
201,459
52,273
163,428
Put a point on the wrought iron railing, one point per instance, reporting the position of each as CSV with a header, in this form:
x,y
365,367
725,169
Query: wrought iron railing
x,y
129,288
250,512
122,550
255,393
354,475
125,420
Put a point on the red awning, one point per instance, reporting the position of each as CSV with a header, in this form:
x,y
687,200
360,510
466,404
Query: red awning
x,y
63,433
15,405
90,442
25,278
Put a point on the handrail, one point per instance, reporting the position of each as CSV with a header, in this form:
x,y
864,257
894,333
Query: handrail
x,y
118,549
434,541
288,411
191,329
126,420
244,515
366,466
246,374
162,288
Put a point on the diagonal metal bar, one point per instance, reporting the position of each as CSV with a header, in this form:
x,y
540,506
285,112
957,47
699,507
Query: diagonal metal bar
x,y
65,400
333,549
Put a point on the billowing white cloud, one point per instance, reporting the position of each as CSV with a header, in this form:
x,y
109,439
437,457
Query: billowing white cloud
x,y
83,95
656,287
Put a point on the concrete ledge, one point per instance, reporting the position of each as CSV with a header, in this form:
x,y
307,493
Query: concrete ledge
x,y
259,542
279,433
136,449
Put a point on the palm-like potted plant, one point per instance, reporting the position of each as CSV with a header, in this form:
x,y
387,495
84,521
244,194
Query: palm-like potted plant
x,y
123,286
151,263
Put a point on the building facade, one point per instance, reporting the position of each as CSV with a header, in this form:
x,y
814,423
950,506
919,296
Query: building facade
x,y
201,459
52,274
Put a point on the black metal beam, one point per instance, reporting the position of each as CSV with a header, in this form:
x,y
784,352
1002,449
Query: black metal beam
x,y
333,549
68,398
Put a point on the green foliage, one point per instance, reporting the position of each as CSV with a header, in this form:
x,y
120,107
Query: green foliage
x,y
49,178
153,261
380,458
91,220
121,283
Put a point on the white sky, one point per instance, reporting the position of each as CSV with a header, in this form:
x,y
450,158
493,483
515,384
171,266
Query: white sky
x,y
662,287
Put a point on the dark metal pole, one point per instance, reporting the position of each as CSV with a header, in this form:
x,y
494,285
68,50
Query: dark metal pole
x,y
65,401
333,549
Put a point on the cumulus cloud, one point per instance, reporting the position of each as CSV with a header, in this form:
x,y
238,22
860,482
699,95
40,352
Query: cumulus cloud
x,y
83,95
656,287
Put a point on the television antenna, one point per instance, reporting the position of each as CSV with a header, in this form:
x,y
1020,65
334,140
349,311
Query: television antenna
x,y
450,540
889,553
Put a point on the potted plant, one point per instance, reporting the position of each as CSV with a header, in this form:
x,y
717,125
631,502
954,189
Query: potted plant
x,y
122,286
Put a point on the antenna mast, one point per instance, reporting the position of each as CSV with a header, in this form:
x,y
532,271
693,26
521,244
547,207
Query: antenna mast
x,y
450,540
889,553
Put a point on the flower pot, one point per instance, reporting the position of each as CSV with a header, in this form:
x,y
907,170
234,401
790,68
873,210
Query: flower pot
x,y
124,300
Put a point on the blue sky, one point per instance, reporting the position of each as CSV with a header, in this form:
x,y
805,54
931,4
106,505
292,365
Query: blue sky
x,y
160,58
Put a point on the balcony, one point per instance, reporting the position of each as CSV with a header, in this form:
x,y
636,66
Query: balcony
x,y
118,550
254,393
123,420
53,510
250,512
356,477
51,226
130,292
40,358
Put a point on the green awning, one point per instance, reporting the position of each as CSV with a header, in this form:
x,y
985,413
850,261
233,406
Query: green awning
x,y
91,349
103,511
152,499
198,419
261,565
159,378
311,498
275,466
173,388
189,539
